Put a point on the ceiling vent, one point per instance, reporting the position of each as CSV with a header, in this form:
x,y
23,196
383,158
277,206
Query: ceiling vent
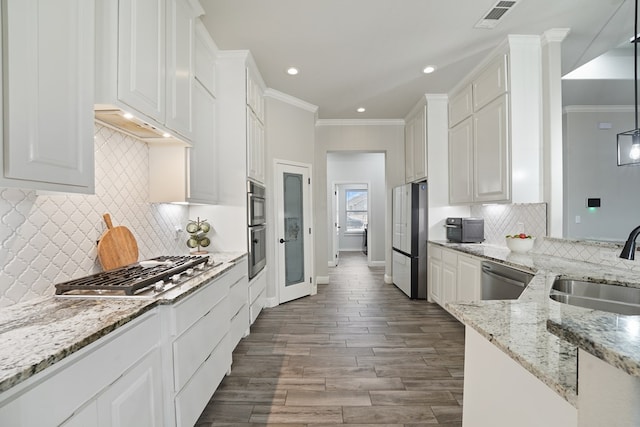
x,y
497,12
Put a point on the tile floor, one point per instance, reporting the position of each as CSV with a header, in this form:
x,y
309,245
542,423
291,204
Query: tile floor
x,y
359,353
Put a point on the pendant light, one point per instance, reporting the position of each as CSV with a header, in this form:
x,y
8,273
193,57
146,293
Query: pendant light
x,y
629,141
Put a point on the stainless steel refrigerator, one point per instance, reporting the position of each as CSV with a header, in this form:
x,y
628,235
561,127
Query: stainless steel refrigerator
x,y
410,239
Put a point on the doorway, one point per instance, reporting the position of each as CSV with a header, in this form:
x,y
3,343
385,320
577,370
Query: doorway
x,y
293,230
356,171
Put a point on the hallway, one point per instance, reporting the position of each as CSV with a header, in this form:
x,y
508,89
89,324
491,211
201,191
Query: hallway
x,y
359,352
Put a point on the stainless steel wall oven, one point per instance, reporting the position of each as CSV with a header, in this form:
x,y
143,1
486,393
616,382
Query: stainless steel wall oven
x,y
257,229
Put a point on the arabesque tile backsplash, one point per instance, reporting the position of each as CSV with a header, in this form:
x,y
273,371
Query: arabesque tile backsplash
x,y
49,238
500,220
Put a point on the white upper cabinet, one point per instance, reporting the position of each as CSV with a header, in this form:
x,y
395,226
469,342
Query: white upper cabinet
x,y
141,34
491,160
48,95
500,159
461,162
145,62
255,99
205,58
203,155
491,83
460,106
180,66
255,126
415,144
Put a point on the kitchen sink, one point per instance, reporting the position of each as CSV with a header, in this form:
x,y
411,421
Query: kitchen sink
x,y
599,296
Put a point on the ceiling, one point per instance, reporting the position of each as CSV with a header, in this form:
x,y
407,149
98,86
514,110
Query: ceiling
x,y
370,53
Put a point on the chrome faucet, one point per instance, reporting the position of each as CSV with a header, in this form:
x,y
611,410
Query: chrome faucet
x,y
629,250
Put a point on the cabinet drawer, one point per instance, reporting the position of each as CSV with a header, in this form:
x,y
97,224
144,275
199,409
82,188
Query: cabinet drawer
x,y
450,258
196,343
238,295
491,83
188,312
191,401
257,286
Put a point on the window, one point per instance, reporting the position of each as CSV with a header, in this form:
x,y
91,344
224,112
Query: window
x,y
356,209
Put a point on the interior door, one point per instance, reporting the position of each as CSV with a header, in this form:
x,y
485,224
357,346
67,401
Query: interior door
x,y
336,226
293,201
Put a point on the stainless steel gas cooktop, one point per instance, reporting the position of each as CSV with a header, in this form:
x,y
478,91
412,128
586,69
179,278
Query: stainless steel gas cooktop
x,y
144,279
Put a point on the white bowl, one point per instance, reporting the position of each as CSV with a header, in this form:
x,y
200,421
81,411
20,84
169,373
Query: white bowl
x,y
516,244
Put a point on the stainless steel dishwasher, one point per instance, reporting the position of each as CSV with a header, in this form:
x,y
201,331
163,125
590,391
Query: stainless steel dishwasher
x,y
502,282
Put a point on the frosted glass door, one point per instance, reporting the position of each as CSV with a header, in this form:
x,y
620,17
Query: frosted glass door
x,y
293,226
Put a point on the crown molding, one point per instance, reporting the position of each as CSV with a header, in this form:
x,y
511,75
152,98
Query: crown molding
x,y
292,100
555,35
360,122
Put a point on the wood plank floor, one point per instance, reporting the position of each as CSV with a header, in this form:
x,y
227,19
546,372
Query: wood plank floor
x,y
359,353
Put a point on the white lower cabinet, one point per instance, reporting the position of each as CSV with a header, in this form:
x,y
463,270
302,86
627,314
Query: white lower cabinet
x,y
88,387
135,399
434,268
201,330
257,295
160,369
453,276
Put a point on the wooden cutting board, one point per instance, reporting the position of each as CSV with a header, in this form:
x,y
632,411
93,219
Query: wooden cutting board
x,y
117,246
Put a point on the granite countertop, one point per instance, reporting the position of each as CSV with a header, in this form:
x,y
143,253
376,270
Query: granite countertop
x,y
543,335
40,332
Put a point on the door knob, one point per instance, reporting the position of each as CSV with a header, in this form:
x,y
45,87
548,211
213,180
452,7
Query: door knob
x,y
283,241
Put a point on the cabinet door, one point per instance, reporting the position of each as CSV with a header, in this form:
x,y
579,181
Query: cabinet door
x,y
180,65
141,56
255,147
205,58
449,277
409,140
491,160
135,399
460,106
491,83
48,93
420,145
468,280
435,280
203,154
461,163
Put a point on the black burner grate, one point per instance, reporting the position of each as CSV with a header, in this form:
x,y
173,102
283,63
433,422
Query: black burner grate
x,y
132,278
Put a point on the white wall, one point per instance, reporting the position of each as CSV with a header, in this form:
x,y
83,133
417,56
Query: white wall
x,y
359,135
362,168
590,164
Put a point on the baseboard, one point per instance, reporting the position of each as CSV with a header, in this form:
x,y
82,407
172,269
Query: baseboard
x,y
322,280
388,279
271,302
376,264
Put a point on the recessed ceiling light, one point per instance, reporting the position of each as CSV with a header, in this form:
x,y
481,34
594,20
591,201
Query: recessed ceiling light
x,y
292,71
429,69
361,110
166,135
128,116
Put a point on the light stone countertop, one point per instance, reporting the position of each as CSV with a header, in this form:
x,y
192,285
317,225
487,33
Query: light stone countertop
x,y
38,333
543,335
